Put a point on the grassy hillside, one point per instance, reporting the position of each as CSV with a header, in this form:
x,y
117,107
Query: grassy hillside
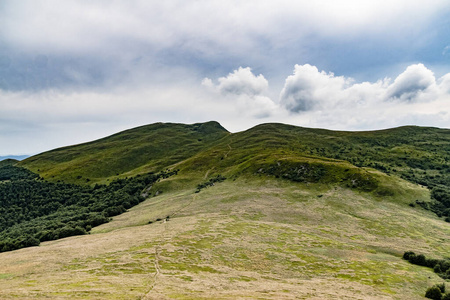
x,y
256,238
298,214
135,151
418,154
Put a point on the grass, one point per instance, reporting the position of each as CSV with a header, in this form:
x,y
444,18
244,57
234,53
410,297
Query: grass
x,y
135,151
303,214
419,154
275,239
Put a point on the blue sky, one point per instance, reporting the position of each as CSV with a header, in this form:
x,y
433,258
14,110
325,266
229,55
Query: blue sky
x,y
73,71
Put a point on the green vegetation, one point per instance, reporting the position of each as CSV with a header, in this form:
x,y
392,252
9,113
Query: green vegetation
x,y
211,182
420,155
300,208
136,151
437,292
440,266
33,211
10,172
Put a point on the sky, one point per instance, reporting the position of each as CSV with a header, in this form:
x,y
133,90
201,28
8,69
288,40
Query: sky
x,y
77,70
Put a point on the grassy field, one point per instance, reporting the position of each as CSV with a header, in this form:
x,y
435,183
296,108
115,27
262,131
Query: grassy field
x,y
251,238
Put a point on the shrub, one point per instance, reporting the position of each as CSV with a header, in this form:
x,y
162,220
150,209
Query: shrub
x,y
446,297
420,260
434,293
408,255
441,287
437,269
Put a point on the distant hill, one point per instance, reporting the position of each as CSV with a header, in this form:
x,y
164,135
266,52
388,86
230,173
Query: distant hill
x,y
16,157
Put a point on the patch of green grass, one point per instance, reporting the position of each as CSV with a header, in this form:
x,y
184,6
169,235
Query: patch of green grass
x,y
242,278
182,266
6,276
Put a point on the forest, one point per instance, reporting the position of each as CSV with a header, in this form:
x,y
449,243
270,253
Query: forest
x,y
33,210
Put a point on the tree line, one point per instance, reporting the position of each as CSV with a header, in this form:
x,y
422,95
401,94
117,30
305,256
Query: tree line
x,y
33,210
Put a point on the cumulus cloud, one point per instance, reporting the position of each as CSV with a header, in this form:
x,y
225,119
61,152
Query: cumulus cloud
x,y
412,83
246,91
322,99
243,81
308,89
315,98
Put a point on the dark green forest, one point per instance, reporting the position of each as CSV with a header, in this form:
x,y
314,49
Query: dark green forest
x,y
33,210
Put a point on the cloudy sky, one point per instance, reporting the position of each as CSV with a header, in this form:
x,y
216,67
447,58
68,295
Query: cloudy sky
x,y
74,71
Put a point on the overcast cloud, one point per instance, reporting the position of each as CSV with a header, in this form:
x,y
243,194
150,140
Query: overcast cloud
x,y
73,71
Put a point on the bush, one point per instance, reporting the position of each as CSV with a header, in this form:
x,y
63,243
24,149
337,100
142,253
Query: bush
x,y
419,260
441,287
439,266
408,255
434,293
437,269
446,297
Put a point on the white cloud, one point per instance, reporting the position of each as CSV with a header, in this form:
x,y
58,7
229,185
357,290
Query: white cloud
x,y
245,91
308,89
444,84
243,81
412,83
32,122
314,98
321,99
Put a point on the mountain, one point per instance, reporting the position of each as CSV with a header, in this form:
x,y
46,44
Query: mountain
x,y
273,212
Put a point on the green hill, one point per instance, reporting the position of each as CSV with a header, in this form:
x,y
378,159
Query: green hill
x,y
8,162
273,212
128,153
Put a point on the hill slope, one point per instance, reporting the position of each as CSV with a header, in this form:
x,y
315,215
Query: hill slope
x,y
302,214
135,151
257,238
417,154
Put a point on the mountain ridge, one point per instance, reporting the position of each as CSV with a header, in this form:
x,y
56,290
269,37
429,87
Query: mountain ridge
x,y
216,128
